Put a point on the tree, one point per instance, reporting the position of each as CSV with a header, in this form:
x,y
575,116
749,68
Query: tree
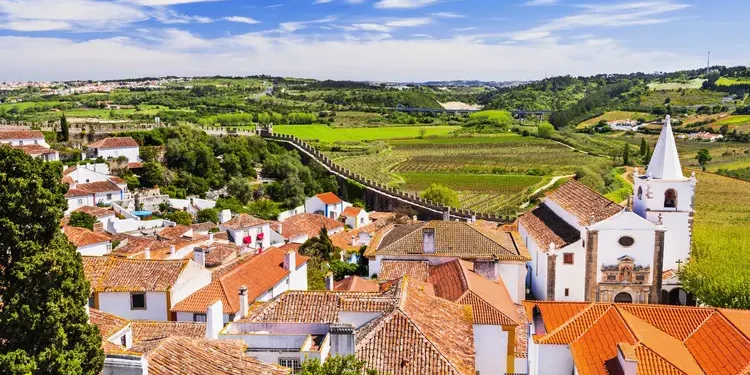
x,y
703,157
441,195
293,191
264,209
180,217
545,130
43,323
207,215
724,130
626,155
360,204
320,247
336,365
153,174
64,129
240,188
82,220
644,147
422,133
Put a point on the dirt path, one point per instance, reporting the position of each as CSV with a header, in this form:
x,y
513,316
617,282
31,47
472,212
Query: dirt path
x,y
545,187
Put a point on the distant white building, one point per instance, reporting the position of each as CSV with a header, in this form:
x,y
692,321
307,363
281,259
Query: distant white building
x,y
88,243
355,217
96,193
247,230
114,148
326,204
23,138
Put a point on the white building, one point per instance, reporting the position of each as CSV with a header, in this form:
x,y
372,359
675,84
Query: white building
x,y
247,230
355,217
142,289
39,151
326,204
85,173
114,148
258,278
443,241
95,193
23,138
88,243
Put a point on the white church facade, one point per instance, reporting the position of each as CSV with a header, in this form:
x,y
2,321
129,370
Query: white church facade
x,y
587,248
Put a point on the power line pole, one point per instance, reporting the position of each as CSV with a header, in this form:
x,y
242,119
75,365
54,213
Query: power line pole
x,y
708,63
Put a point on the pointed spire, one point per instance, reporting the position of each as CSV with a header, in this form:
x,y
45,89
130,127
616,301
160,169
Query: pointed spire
x,y
665,162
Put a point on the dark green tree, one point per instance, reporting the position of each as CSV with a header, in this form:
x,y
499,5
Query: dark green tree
x,y
207,215
626,155
180,217
320,247
264,209
293,191
644,147
82,220
240,188
64,129
441,195
703,157
153,174
43,323
336,365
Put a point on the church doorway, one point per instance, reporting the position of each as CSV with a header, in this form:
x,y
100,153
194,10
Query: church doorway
x,y
623,297
679,297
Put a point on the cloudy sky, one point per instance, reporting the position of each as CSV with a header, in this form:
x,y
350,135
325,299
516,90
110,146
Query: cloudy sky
x,y
412,40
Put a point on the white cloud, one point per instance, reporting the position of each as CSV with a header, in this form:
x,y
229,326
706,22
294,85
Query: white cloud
x,y
465,28
369,57
582,36
35,25
298,25
404,4
533,3
170,17
428,36
81,15
408,22
322,1
447,15
372,27
240,19
388,25
155,3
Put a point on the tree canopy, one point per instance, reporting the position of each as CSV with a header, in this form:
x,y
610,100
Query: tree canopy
x,y
441,195
43,322
82,220
336,365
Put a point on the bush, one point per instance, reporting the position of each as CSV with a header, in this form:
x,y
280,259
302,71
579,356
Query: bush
x,y
180,217
82,220
441,195
208,215
545,130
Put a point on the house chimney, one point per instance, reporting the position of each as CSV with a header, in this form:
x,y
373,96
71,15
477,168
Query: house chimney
x,y
171,249
244,303
354,240
211,237
446,213
487,268
428,240
626,358
473,219
199,256
214,320
342,339
224,216
329,281
147,253
414,217
290,261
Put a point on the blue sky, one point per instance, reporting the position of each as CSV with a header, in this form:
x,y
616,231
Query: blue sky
x,y
407,40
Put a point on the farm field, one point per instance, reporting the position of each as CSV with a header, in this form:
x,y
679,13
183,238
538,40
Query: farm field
x,y
617,116
739,122
691,84
324,133
692,119
731,81
688,97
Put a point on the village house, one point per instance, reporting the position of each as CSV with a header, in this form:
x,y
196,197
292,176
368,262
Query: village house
x,y
355,217
113,148
204,228
94,172
630,339
23,138
247,230
96,193
256,278
402,330
138,289
300,228
326,204
102,215
501,254
39,151
173,246
87,242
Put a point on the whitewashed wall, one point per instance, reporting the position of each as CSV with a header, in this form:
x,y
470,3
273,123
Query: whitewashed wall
x,y
192,278
118,303
491,345
571,276
129,152
513,275
97,249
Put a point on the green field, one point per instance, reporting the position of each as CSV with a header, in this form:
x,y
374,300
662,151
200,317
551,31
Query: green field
x,y
617,116
491,115
731,81
691,84
684,98
324,133
25,105
485,183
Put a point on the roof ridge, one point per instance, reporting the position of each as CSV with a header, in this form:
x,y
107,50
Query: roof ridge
x,y
716,310
487,302
701,325
488,237
402,237
569,321
597,320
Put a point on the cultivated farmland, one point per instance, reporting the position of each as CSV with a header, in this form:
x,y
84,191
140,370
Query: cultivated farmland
x,y
324,133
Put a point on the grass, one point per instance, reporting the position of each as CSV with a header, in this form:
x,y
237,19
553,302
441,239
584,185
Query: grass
x,y
731,81
481,183
327,134
24,105
617,116
691,84
689,97
491,115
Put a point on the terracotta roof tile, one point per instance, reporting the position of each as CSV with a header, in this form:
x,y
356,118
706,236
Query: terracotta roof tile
x,y
719,347
680,322
259,273
329,198
115,142
597,346
453,239
191,356
108,324
739,318
356,284
110,274
243,221
34,150
396,269
555,313
176,231
576,326
583,203
97,212
98,187
306,224
204,227
21,134
135,165
343,240
545,227
351,211
151,330
76,193
83,237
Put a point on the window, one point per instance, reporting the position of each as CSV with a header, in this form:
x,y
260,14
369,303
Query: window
x,y
138,301
292,363
640,277
36,142
80,201
640,193
92,301
109,247
109,197
200,318
124,340
611,277
567,292
20,143
670,198
626,241
567,258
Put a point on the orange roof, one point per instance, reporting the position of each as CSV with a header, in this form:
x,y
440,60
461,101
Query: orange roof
x,y
135,165
665,339
110,274
83,237
108,324
34,150
98,187
97,212
115,142
152,330
243,221
259,273
396,269
76,193
329,198
583,203
176,231
305,224
21,134
351,211
356,284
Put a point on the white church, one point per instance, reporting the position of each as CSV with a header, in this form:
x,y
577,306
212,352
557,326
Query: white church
x,y
587,248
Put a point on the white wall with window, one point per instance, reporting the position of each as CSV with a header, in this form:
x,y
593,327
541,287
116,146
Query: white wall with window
x,y
79,201
135,305
129,152
97,249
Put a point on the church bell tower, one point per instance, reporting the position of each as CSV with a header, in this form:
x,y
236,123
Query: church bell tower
x,y
665,196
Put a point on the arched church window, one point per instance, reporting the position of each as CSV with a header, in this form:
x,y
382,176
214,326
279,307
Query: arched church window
x,y
626,241
623,297
670,198
640,193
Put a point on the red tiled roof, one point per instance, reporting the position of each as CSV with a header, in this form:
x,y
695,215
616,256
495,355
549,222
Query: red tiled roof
x,y
329,198
203,227
176,231
135,165
259,273
76,193
545,227
110,274
116,180
34,150
152,330
381,215
243,221
108,324
306,224
97,212
98,187
583,203
351,211
83,237
21,134
356,284
396,269
115,142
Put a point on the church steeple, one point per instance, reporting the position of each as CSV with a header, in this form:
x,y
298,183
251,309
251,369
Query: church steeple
x,y
665,162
